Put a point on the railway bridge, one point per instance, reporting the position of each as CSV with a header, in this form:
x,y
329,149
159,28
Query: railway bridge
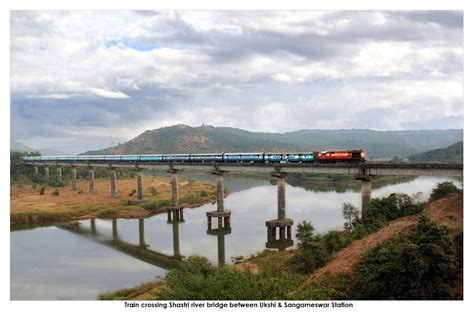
x,y
281,224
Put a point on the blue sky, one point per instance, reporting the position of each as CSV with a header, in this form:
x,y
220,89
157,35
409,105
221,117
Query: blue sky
x,y
83,80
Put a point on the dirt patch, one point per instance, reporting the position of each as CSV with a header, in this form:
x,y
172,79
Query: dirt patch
x,y
448,211
27,206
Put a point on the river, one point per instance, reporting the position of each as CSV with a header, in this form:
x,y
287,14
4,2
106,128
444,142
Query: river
x,y
73,262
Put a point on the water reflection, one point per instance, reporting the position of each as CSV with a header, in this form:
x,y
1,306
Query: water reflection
x,y
62,262
140,251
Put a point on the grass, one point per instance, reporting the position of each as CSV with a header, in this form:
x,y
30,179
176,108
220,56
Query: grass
x,y
142,292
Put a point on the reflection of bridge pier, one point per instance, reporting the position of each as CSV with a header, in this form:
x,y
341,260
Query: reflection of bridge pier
x,y
175,221
140,251
282,222
93,229
114,229
220,232
141,233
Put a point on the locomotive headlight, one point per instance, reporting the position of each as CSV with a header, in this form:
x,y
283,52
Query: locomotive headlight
x,y
362,154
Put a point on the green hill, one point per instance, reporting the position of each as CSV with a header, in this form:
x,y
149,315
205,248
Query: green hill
x,y
186,139
453,153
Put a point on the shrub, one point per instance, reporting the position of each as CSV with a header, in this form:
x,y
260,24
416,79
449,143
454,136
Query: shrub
x,y
312,251
131,193
419,266
459,247
310,257
190,198
55,192
443,189
304,232
80,192
336,240
41,190
197,279
203,193
388,208
352,216
153,191
156,204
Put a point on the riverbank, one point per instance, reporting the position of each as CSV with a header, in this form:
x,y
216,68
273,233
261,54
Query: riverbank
x,y
333,279
30,208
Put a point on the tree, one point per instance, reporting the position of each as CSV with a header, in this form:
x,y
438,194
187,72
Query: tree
x,y
19,168
443,189
304,232
352,216
420,266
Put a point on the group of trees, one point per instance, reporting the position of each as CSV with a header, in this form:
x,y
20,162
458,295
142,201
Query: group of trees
x,y
421,265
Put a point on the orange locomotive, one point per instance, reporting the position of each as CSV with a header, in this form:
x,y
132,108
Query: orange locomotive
x,y
340,156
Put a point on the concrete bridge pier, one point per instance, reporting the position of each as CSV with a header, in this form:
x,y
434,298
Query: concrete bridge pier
x,y
35,170
140,184
59,175
222,215
91,180
113,182
74,178
174,209
281,223
366,191
175,213
174,187
46,172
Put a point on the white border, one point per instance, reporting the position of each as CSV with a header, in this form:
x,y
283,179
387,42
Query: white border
x,y
114,308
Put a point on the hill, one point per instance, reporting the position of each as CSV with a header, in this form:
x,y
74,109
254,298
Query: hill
x,y
186,139
17,146
453,153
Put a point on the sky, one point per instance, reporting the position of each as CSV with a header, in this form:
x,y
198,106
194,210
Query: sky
x,y
84,80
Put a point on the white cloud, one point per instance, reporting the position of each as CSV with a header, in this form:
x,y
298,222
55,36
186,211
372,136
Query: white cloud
x,y
302,69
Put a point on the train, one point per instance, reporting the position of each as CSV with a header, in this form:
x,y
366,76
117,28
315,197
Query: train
x,y
324,156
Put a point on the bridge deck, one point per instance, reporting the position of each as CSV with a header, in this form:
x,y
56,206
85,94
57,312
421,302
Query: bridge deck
x,y
371,169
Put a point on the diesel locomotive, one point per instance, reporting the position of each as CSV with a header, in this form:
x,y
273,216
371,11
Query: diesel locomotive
x,y
325,156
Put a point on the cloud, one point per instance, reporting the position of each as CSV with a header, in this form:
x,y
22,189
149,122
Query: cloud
x,y
85,79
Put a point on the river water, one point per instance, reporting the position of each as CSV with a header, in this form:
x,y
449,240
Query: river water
x,y
78,262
